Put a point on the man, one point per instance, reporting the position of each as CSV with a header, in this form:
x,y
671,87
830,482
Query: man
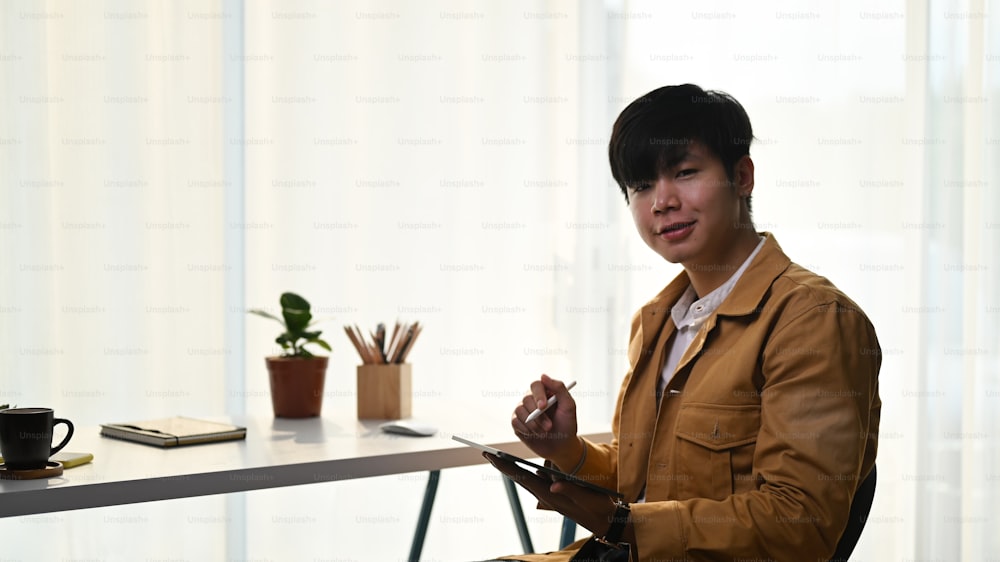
x,y
748,416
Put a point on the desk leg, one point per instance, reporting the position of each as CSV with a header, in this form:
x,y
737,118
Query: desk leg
x,y
515,508
425,515
568,532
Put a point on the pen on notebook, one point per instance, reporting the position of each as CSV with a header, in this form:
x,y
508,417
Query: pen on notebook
x,y
548,404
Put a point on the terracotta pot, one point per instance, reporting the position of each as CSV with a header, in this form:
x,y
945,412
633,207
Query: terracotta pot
x,y
297,385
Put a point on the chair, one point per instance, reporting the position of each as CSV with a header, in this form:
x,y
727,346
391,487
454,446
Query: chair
x,y
861,506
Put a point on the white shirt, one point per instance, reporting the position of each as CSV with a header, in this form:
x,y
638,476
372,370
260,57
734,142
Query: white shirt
x,y
689,314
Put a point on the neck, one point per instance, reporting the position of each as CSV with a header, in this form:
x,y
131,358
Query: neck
x,y
706,278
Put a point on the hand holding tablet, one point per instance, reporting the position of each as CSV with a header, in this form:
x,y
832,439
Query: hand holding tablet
x,y
552,473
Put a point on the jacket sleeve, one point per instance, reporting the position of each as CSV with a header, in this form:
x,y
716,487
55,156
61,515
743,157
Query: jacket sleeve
x,y
819,411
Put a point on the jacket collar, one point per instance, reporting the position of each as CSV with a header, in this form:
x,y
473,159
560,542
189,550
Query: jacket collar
x,y
745,299
769,264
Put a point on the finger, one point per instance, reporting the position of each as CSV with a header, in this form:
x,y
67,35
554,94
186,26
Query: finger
x,y
540,425
534,483
528,404
517,420
513,469
538,428
526,408
500,464
554,386
503,466
561,487
539,396
497,462
517,423
537,485
566,404
551,384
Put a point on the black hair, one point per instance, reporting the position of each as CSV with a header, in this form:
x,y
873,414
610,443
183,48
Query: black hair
x,y
653,132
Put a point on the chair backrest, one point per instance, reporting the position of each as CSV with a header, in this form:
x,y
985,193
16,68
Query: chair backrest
x,y
861,505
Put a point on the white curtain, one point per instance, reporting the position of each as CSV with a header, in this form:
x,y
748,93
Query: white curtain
x,y
166,165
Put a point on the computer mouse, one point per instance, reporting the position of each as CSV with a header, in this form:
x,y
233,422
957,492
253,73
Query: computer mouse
x,y
408,427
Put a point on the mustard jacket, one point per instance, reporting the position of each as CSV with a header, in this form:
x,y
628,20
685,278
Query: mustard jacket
x,y
765,431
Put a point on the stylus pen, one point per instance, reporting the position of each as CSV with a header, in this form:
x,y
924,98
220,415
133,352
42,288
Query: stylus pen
x,y
548,404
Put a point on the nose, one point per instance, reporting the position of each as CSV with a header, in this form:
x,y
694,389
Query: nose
x,y
664,196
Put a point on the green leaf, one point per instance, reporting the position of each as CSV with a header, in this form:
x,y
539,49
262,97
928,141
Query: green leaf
x,y
295,309
321,320
291,300
321,343
296,322
266,314
296,318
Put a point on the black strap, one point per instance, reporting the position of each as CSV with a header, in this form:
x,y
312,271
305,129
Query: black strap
x,y
618,522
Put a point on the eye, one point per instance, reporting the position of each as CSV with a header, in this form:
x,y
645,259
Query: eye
x,y
641,186
686,172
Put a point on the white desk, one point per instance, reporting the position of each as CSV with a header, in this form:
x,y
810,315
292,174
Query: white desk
x,y
276,452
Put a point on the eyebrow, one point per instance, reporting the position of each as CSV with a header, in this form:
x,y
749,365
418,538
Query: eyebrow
x,y
687,155
666,161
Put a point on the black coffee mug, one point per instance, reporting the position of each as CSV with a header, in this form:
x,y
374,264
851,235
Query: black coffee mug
x,y
26,437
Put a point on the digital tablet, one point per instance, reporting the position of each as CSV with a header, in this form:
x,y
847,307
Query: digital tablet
x,y
556,475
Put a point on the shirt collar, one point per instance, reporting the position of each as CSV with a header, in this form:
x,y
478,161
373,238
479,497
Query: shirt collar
x,y
689,312
756,280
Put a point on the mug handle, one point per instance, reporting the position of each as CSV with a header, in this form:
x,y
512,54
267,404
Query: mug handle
x,y
69,434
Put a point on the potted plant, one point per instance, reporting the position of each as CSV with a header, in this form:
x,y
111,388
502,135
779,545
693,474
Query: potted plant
x,y
296,376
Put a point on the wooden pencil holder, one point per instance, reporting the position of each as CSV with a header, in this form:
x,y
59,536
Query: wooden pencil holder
x,y
384,391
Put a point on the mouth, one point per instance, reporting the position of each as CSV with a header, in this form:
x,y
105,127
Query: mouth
x,y
676,231
674,227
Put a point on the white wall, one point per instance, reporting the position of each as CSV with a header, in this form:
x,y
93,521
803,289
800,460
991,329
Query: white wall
x,y
168,164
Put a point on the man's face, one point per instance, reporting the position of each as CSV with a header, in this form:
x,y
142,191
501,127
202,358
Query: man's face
x,y
692,214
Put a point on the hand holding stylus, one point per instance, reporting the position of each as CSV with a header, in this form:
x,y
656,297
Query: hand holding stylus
x,y
549,402
554,435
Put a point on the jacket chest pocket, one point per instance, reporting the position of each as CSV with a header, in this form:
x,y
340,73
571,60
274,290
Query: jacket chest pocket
x,y
714,448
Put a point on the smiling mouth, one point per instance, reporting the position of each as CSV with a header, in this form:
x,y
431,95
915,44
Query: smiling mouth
x,y
676,226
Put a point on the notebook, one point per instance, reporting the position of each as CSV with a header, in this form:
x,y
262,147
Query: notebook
x,y
174,432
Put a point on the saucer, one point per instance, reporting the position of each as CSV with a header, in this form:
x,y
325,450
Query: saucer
x,y
52,468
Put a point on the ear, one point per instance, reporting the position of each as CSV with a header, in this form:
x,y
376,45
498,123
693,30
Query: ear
x,y
743,177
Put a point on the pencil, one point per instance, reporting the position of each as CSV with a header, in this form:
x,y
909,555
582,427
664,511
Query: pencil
x,y
366,353
355,342
393,342
409,344
380,349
